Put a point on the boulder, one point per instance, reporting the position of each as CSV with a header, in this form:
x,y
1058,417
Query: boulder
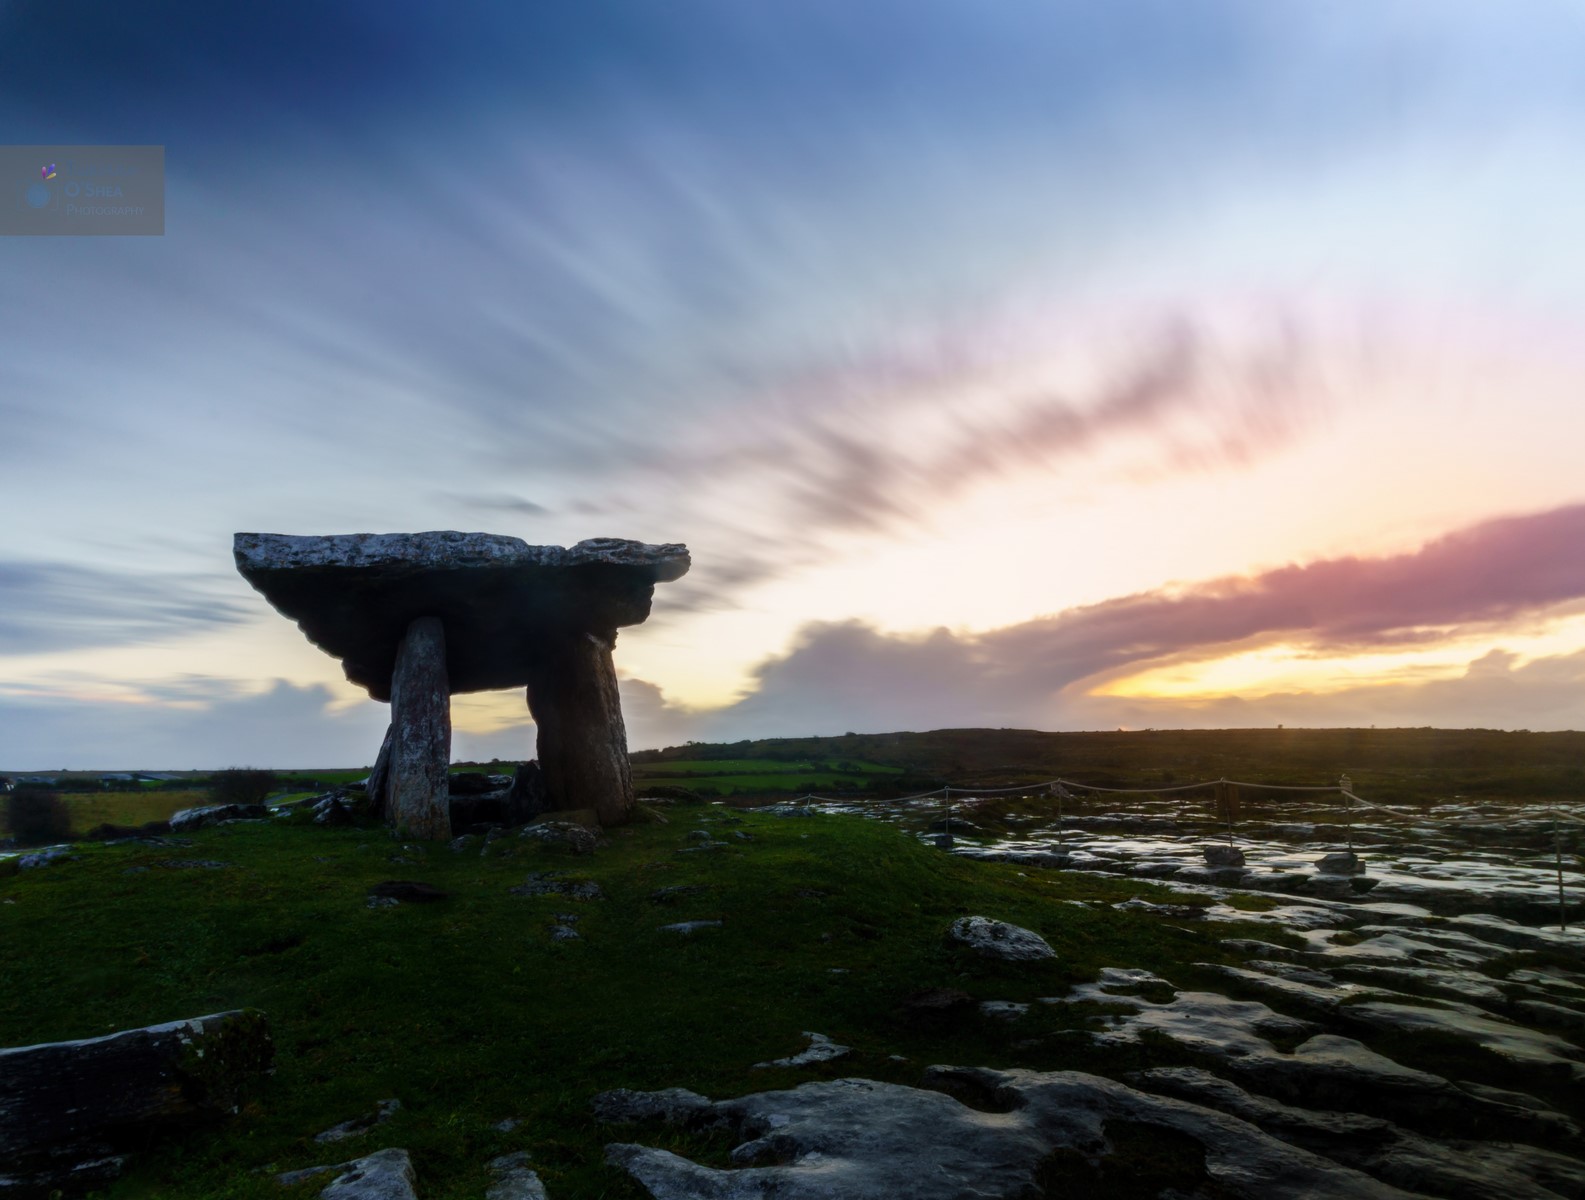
x,y
476,783
820,1049
384,1110
383,1175
987,1135
1344,862
577,839
45,858
512,1178
70,1110
1222,856
547,883
936,1009
998,939
408,891
190,819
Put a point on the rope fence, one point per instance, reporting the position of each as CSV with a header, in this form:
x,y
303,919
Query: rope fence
x,y
1225,807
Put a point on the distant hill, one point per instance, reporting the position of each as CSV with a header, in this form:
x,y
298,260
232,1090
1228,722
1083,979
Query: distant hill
x,y
1420,763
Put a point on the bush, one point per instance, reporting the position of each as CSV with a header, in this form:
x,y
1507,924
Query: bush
x,y
38,818
241,785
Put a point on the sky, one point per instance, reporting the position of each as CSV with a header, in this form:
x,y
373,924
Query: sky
x,y
1134,364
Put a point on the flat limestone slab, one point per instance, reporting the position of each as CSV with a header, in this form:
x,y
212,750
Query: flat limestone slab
x,y
502,601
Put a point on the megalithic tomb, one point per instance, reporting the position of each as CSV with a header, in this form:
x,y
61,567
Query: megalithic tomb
x,y
418,617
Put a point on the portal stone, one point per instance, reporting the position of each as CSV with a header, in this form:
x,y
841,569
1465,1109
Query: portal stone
x,y
419,788
582,740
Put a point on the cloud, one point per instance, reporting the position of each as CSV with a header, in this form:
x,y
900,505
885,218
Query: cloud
x,y
498,502
283,726
850,675
48,606
1492,693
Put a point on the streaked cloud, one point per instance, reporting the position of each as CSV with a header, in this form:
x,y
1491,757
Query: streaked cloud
x,y
47,606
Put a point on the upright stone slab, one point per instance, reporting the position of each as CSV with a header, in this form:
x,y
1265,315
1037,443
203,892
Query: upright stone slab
x,y
419,800
509,615
582,739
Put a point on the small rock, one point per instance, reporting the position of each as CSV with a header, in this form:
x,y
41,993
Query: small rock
x,y
689,927
1002,1010
304,1174
45,858
205,864
514,1179
675,1106
998,939
382,902
507,1125
332,810
564,933
1222,856
464,843
741,836
935,1008
1343,863
383,1175
670,895
579,839
409,891
190,819
820,1049
549,884
699,835
953,825
384,1111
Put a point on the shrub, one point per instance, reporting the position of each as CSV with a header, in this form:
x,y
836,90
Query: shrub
x,y
38,818
241,785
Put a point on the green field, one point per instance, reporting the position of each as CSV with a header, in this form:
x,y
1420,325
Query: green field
x,y
1392,766
470,1013
88,809
759,776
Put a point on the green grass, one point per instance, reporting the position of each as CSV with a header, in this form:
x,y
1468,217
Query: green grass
x,y
729,776
1389,766
469,1013
122,808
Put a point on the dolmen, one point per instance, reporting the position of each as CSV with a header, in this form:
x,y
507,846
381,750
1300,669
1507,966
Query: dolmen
x,y
418,617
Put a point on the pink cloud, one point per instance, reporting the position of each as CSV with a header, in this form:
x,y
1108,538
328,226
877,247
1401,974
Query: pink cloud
x,y
849,675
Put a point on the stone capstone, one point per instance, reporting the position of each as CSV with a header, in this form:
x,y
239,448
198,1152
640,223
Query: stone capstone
x,y
500,599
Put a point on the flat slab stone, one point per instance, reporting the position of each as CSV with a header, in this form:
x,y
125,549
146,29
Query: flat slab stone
x,y
501,600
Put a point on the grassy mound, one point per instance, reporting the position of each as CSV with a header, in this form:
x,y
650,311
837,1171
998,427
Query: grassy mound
x,y
469,1012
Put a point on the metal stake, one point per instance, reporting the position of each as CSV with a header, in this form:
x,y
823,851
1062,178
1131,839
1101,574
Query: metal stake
x,y
1346,786
1557,843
